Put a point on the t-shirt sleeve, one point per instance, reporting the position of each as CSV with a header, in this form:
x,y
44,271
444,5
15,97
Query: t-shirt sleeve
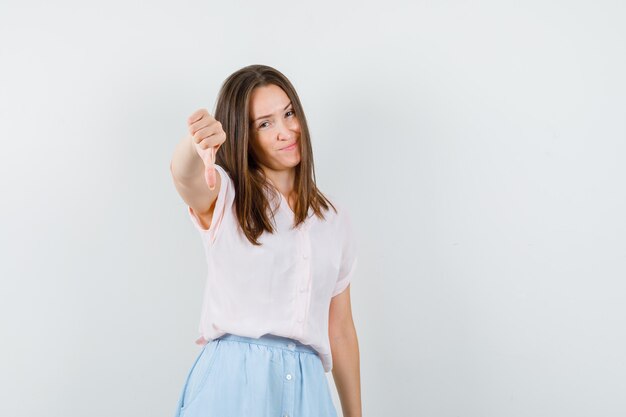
x,y
348,252
224,201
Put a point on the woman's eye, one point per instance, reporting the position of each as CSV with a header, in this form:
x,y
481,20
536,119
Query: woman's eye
x,y
290,111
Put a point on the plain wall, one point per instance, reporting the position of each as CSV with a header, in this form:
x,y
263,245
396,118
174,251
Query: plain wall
x,y
480,145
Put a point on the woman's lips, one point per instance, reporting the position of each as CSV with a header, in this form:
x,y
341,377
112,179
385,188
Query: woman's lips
x,y
290,147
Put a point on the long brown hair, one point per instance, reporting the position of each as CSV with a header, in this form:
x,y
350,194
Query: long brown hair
x,y
236,157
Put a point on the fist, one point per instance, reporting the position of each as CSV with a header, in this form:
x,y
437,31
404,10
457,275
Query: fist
x,y
207,137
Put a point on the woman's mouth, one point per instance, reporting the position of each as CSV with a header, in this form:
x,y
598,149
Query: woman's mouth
x,y
290,147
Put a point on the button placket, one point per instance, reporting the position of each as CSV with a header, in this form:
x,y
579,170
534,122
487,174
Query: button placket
x,y
289,387
304,253
304,282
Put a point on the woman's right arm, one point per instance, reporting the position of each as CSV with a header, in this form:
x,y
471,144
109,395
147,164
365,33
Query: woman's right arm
x,y
192,164
186,163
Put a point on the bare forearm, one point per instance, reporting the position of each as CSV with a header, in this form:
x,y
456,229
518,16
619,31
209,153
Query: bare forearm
x,y
346,372
186,163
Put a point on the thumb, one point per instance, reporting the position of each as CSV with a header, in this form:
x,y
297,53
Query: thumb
x,y
209,169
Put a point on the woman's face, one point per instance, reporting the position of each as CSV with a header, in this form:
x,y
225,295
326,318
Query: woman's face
x,y
275,127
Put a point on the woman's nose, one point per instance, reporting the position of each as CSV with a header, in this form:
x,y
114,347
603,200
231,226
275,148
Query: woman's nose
x,y
284,131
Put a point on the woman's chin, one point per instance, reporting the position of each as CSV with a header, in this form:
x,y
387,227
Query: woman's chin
x,y
290,162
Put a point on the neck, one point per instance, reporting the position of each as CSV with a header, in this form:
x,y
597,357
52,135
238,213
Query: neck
x,y
283,180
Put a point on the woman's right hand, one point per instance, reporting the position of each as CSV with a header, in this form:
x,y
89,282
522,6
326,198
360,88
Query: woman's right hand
x,y
207,136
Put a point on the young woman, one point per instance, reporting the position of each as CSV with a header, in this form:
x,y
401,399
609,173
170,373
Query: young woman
x,y
276,311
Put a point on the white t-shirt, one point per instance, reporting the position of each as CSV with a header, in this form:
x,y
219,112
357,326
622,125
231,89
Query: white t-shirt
x,y
283,287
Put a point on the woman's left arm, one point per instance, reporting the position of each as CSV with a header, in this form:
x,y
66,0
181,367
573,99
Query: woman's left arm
x,y
345,352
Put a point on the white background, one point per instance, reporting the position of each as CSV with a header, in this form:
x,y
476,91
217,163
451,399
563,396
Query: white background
x,y
479,145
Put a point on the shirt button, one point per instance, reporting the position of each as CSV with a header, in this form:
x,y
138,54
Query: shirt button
x,y
303,289
291,345
288,376
304,256
299,320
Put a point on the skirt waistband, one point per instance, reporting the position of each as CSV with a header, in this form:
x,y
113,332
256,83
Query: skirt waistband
x,y
272,340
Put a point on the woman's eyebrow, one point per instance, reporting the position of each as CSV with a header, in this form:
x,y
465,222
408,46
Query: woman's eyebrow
x,y
268,115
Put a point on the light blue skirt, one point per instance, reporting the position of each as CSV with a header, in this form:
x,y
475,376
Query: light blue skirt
x,y
237,376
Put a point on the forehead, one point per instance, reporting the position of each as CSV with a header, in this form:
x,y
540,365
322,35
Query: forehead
x,y
267,100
